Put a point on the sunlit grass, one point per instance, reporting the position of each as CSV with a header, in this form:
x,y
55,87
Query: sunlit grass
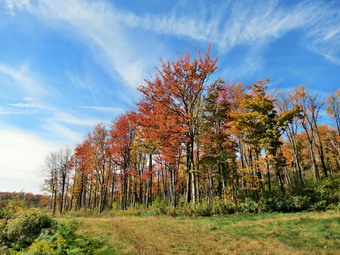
x,y
277,233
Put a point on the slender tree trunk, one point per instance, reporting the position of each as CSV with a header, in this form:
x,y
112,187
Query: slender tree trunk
x,y
55,202
321,154
124,191
314,164
279,179
61,206
268,175
150,182
188,165
188,188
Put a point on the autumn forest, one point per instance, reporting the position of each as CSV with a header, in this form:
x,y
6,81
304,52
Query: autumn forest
x,y
194,140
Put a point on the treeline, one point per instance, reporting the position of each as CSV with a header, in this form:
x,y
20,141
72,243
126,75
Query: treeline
x,y
193,140
33,200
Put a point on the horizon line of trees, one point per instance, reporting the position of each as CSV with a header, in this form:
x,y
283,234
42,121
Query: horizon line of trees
x,y
192,140
30,199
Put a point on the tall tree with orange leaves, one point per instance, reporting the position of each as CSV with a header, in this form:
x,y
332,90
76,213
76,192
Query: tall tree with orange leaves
x,y
123,133
178,87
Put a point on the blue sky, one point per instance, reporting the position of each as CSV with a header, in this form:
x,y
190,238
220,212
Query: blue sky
x,y
66,65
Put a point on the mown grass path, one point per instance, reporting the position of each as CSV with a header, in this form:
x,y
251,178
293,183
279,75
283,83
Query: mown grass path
x,y
293,233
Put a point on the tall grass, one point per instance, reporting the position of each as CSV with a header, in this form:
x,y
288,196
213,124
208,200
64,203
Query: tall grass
x,y
268,233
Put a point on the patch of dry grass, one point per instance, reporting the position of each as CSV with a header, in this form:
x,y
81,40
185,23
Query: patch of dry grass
x,y
300,233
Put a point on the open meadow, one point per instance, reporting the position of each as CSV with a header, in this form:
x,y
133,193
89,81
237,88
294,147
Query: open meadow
x,y
276,233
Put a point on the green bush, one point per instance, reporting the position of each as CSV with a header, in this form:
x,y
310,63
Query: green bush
x,y
215,207
21,230
249,206
33,232
204,209
218,207
301,203
13,207
230,207
44,247
171,211
320,206
2,212
283,203
62,240
3,236
317,195
160,206
185,210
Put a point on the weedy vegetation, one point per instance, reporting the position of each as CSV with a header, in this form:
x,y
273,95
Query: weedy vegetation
x,y
32,231
269,233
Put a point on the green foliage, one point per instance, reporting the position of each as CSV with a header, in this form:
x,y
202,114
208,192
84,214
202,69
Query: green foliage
x,y
14,206
2,213
249,206
62,240
26,226
319,195
44,247
160,206
34,232
313,196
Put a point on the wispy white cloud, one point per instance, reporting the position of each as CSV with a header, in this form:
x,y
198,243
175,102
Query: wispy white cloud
x,y
29,105
254,24
230,23
63,117
11,111
75,80
22,79
97,24
55,120
104,109
69,127
11,4
249,23
62,132
324,37
23,105
55,124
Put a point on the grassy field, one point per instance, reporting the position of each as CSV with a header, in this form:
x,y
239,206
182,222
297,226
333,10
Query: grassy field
x,y
293,233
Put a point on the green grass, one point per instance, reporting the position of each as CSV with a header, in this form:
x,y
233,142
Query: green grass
x,y
276,233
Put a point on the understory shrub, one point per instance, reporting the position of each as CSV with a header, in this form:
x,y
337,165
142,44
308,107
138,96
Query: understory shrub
x,y
311,196
35,232
26,226
248,206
